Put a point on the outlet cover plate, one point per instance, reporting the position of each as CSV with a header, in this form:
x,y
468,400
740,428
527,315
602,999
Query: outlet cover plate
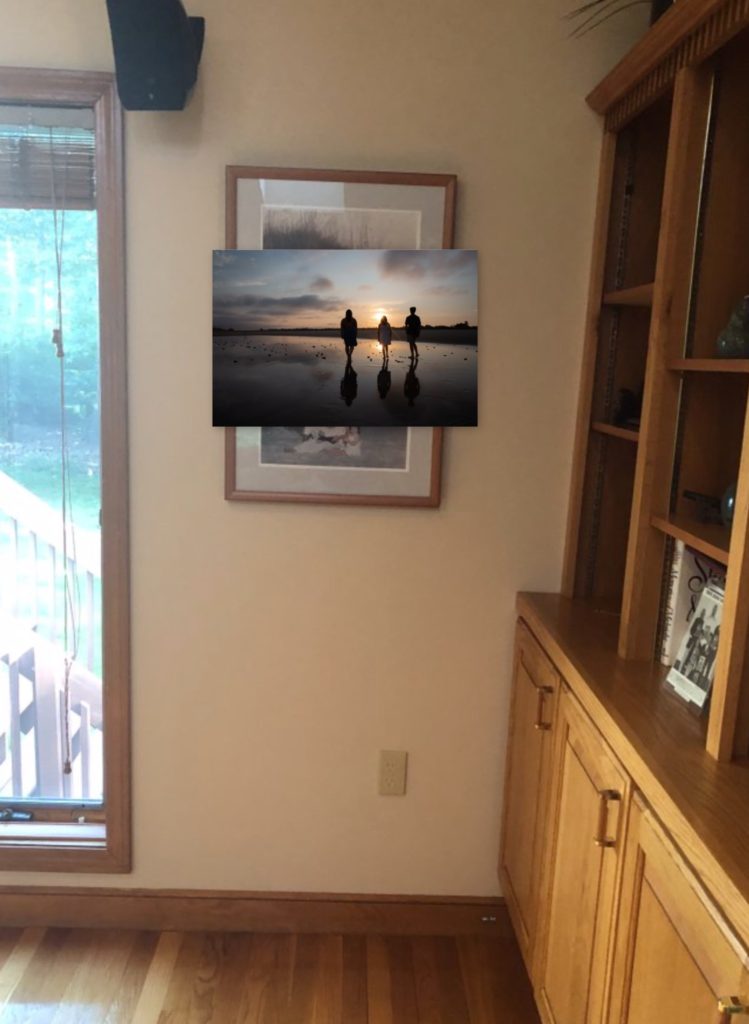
x,y
393,765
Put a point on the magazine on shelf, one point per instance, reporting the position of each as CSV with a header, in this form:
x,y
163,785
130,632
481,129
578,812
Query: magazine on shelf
x,y
689,575
693,669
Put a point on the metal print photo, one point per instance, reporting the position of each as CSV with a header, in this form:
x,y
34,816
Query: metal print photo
x,y
346,337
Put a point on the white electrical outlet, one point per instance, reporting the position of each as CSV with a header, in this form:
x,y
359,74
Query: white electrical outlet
x,y
393,772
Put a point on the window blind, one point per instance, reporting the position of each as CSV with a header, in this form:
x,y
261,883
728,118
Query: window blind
x,y
46,159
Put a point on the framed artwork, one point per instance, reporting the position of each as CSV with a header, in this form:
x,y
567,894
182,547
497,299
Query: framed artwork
x,y
293,208
336,465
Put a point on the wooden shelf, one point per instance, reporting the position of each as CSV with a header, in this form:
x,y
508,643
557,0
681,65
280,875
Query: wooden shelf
x,y
711,539
621,432
642,295
710,365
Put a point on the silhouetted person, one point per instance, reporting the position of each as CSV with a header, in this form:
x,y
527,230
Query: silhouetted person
x,y
348,332
413,330
348,383
385,336
411,386
384,380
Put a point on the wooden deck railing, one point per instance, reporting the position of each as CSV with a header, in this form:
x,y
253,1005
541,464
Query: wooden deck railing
x,y
32,665
31,570
32,720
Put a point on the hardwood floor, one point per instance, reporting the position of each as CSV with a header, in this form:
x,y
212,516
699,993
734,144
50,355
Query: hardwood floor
x,y
77,976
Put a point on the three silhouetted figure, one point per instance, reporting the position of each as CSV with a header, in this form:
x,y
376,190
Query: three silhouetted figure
x,y
349,331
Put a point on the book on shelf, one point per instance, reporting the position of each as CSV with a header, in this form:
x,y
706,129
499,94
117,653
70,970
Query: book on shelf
x,y
691,675
690,572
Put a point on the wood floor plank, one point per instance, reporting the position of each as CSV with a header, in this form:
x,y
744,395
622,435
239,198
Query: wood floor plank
x,y
496,985
17,957
426,975
41,989
68,976
354,981
379,997
403,998
232,970
96,978
328,994
265,993
286,951
8,940
188,994
213,952
156,985
453,995
123,1007
478,987
272,954
511,987
301,1002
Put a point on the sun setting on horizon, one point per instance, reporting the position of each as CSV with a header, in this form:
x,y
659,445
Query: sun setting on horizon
x,y
311,289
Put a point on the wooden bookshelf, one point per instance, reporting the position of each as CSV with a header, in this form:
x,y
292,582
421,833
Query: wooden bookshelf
x,y
612,431
670,263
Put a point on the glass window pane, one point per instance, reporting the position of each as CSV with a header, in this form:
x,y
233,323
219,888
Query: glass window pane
x,y
50,704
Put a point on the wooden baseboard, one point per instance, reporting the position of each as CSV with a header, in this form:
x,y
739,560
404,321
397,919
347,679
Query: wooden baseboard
x,y
207,910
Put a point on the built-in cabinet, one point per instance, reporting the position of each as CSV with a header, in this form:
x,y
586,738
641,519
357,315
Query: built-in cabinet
x,y
615,925
625,850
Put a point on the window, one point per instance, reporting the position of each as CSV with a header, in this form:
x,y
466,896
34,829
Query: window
x,y
64,597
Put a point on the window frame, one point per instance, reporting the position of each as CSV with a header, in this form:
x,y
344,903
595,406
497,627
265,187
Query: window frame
x,y
55,841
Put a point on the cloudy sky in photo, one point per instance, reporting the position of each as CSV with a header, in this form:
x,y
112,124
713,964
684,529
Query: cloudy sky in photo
x,y
313,287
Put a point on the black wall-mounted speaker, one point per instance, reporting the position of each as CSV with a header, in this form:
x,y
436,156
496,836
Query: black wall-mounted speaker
x,y
157,50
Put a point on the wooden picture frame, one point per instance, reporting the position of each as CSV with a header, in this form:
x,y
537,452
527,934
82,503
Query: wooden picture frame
x,y
422,206
426,495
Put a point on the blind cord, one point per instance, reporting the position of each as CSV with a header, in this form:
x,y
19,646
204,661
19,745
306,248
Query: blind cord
x,y
71,595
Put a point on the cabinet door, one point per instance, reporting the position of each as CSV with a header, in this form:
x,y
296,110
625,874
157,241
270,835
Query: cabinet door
x,y
534,699
590,795
675,958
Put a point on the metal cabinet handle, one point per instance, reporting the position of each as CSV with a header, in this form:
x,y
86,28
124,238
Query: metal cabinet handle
x,y
731,1005
604,796
542,692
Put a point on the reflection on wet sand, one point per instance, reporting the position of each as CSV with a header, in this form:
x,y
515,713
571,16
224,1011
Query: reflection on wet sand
x,y
348,383
384,380
262,380
411,385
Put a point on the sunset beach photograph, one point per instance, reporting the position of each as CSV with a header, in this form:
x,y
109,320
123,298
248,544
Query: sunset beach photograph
x,y
370,337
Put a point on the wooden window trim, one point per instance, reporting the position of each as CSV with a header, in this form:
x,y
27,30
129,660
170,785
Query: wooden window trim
x,y
62,848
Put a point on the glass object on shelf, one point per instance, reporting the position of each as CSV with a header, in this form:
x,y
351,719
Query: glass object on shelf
x,y
728,504
628,409
733,340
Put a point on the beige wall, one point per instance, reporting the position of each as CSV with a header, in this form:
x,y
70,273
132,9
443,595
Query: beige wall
x,y
276,649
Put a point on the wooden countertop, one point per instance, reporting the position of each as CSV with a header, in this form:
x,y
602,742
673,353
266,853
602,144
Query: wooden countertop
x,y
703,803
